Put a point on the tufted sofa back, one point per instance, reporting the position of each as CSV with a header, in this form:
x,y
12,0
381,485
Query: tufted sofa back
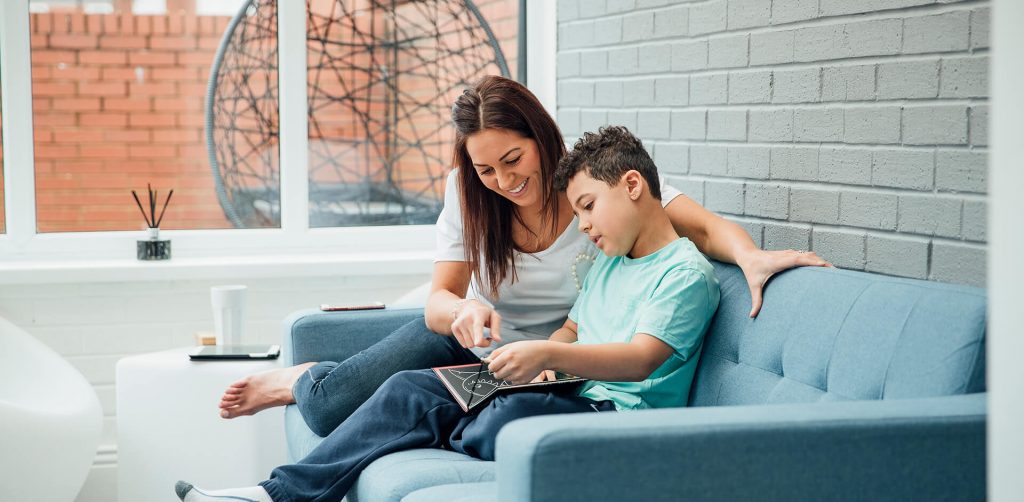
x,y
828,334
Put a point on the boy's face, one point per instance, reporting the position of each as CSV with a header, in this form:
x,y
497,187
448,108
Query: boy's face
x,y
606,213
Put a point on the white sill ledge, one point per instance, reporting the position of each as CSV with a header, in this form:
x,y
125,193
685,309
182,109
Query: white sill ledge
x,y
216,267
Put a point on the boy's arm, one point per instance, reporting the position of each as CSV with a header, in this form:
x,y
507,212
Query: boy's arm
x,y
521,362
611,362
565,334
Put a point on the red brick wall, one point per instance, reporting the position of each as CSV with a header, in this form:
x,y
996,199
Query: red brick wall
x,y
118,102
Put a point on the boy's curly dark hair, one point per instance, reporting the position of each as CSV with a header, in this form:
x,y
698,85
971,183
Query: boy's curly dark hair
x,y
606,156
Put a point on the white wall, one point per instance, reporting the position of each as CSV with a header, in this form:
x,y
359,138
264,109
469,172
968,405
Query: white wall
x,y
94,324
856,129
1006,274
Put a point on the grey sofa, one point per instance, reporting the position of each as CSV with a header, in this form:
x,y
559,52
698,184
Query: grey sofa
x,y
848,386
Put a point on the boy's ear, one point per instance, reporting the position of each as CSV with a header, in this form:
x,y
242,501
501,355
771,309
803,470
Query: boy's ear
x,y
634,183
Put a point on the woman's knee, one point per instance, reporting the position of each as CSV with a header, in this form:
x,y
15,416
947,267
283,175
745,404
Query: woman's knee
x,y
318,409
319,424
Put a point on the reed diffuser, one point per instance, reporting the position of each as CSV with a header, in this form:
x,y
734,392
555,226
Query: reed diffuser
x,y
152,248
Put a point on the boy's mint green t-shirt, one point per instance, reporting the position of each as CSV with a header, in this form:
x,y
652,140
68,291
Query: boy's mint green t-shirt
x,y
671,295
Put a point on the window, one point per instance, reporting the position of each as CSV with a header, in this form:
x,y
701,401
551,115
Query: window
x,y
118,103
382,77
117,100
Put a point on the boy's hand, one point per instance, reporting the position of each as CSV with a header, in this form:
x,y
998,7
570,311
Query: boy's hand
x,y
519,362
472,318
545,376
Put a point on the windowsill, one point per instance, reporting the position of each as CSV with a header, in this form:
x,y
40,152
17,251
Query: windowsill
x,y
216,267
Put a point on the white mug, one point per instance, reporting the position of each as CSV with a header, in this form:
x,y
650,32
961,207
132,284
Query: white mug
x,y
228,313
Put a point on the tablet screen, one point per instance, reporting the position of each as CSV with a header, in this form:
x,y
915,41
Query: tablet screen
x,y
236,352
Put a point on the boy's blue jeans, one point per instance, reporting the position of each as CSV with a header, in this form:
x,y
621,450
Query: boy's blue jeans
x,y
413,409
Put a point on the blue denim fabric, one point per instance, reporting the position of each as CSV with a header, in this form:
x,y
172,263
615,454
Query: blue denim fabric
x,y
329,391
413,409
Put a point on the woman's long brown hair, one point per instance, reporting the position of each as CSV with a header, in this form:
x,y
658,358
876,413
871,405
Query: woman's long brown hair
x,y
487,218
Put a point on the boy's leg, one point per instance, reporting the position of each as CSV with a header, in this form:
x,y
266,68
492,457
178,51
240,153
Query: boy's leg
x,y
328,392
412,409
476,437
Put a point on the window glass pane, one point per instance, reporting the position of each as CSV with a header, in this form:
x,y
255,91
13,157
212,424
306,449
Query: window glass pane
x,y
119,102
382,78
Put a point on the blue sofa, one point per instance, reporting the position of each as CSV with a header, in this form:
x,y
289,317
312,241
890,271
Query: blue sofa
x,y
848,386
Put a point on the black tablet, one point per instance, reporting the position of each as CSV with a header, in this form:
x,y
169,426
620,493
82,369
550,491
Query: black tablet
x,y
235,352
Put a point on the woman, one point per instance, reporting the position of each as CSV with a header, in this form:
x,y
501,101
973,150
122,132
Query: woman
x,y
506,230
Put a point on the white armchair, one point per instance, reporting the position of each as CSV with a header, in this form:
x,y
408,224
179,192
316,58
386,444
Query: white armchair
x,y
50,421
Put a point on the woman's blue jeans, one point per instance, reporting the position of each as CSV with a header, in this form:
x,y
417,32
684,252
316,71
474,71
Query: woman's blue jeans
x,y
329,392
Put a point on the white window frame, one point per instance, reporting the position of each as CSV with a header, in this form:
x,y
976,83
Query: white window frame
x,y
22,243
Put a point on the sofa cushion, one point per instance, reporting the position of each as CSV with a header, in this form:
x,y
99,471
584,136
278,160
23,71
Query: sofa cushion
x,y
465,492
392,477
301,440
829,334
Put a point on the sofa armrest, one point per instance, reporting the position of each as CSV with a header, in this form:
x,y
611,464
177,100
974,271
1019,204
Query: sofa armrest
x,y
919,449
313,335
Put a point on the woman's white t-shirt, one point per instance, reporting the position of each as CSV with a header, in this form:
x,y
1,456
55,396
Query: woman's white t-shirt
x,y
547,282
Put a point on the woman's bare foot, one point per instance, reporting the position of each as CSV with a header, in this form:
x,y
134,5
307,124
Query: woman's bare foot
x,y
258,392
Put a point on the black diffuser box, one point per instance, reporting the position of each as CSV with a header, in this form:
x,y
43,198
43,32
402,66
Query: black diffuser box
x,y
153,249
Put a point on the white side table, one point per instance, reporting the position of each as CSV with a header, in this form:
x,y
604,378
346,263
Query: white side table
x,y
169,427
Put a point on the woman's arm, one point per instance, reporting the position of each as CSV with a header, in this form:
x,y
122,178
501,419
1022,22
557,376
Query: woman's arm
x,y
715,236
448,285
726,241
448,313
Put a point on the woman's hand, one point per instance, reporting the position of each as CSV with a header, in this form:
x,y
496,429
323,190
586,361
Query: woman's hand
x,y
726,241
519,362
760,265
470,320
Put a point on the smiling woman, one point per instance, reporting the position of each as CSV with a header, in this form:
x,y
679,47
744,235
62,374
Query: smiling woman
x,y
505,138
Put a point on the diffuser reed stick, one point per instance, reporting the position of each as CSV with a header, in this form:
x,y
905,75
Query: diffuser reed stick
x,y
152,221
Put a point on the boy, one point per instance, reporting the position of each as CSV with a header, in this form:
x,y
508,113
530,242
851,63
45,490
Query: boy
x,y
635,331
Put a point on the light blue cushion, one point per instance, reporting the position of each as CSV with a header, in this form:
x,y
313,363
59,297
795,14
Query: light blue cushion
x,y
301,440
312,335
833,335
467,492
392,477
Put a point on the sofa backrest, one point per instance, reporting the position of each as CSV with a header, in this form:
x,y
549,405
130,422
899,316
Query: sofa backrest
x,y
829,334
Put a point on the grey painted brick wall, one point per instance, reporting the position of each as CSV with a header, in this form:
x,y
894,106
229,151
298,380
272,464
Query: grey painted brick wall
x,y
855,128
